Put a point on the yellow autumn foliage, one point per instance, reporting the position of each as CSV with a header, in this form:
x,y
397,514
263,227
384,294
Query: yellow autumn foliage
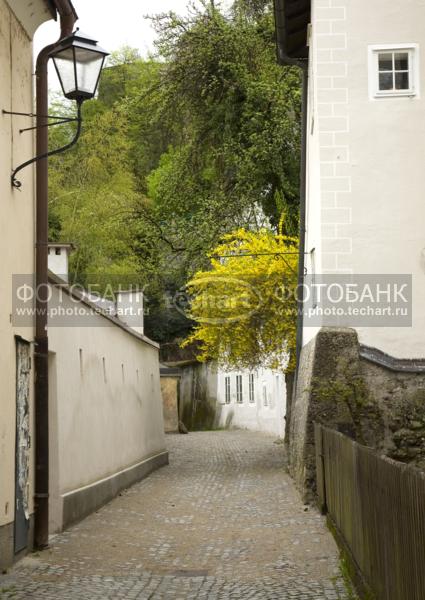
x,y
245,306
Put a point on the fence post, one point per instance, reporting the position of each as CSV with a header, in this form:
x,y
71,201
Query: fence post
x,y
320,468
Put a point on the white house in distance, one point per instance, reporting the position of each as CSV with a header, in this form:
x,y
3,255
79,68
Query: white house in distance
x,y
211,397
254,400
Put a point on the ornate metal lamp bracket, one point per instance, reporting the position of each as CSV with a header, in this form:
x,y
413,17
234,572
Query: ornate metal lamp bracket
x,y
53,120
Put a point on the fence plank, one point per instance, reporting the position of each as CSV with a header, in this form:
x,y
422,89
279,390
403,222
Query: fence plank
x,y
320,481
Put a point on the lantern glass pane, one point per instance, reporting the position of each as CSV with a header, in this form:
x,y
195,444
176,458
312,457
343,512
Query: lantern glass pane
x,y
64,62
89,66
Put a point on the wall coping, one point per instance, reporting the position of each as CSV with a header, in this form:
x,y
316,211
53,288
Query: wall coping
x,y
401,365
58,282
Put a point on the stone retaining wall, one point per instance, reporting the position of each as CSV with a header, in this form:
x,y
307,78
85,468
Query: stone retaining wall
x,y
377,406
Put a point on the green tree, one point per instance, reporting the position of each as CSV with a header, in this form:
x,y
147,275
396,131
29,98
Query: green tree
x,y
93,195
237,145
179,150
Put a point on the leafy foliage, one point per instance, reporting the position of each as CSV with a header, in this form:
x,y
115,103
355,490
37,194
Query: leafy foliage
x,y
245,307
238,147
94,198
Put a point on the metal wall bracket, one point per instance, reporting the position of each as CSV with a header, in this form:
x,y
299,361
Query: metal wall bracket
x,y
56,120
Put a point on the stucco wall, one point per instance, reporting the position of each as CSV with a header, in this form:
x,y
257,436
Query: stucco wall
x,y
170,390
105,403
16,238
369,197
198,396
31,14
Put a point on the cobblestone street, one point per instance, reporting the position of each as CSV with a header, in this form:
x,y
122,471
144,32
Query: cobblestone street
x,y
222,521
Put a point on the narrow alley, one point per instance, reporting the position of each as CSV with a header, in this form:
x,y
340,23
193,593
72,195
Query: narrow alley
x,y
222,521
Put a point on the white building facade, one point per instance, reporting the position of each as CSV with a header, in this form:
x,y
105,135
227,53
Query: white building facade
x,y
362,210
365,142
19,20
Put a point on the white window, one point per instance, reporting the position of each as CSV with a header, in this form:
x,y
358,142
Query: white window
x,y
394,70
239,396
265,401
227,389
251,388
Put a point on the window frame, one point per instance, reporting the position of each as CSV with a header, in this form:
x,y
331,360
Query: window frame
x,y
414,73
227,390
239,389
251,387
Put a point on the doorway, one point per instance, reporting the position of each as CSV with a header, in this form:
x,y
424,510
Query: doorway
x,y
23,442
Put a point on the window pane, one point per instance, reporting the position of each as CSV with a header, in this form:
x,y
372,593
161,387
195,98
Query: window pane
x,y
251,388
89,65
385,81
239,397
402,81
386,61
64,62
401,61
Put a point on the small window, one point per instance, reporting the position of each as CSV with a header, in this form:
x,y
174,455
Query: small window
x,y
251,388
239,393
394,71
227,389
58,251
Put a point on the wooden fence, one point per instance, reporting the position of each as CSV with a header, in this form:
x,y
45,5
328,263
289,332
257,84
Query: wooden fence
x,y
378,507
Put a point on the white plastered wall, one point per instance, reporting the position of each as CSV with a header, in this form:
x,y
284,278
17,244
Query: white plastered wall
x,y
106,406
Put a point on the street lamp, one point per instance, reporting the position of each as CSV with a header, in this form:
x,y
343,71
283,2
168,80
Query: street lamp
x,y
78,61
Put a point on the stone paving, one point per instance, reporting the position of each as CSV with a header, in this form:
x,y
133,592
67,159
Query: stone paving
x,y
222,521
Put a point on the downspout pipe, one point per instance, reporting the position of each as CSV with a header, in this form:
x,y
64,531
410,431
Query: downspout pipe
x,y
301,61
68,19
303,65
303,200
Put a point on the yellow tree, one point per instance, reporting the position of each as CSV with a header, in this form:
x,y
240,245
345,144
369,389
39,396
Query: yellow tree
x,y
245,306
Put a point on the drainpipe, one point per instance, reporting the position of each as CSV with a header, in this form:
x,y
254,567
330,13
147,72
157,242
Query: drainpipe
x,y
292,381
303,65
303,196
68,19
